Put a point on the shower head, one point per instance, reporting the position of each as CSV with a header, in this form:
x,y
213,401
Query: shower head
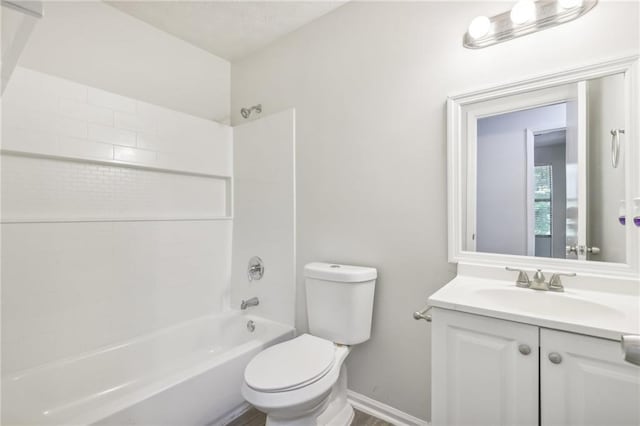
x,y
246,112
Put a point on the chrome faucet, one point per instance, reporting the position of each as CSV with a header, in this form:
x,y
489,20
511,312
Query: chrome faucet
x,y
248,303
538,282
555,283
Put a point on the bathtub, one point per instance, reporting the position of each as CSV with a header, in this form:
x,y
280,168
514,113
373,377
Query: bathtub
x,y
188,374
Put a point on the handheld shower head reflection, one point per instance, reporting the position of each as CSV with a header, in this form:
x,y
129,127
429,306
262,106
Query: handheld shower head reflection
x,y
246,112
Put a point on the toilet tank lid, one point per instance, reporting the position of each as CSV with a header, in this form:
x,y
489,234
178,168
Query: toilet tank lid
x,y
339,273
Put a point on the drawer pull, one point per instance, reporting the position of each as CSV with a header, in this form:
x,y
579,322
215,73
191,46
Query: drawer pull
x,y
524,349
555,357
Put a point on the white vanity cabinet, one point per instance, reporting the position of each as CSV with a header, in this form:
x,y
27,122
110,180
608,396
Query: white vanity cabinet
x,y
585,381
489,371
484,371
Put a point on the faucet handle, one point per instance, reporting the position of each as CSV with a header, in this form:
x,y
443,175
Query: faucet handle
x,y
555,283
523,279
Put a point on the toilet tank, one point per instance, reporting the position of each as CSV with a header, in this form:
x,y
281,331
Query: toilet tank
x,y
340,301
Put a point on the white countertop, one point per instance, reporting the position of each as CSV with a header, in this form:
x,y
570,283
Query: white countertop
x,y
596,313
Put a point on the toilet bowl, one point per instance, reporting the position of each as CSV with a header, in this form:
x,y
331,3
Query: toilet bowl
x,y
300,382
303,381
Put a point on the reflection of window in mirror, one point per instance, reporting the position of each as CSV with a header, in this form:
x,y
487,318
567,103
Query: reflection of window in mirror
x,y
550,156
543,209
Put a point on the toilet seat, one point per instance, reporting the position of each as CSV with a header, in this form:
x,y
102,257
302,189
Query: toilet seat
x,y
291,365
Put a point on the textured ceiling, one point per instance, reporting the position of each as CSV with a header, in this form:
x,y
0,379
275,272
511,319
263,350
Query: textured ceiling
x,y
229,29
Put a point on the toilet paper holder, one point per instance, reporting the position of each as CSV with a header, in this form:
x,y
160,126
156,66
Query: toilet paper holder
x,y
423,314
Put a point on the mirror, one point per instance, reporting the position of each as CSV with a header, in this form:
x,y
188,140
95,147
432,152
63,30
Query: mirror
x,y
546,184
543,169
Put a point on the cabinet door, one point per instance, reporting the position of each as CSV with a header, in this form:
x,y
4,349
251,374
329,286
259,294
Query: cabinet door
x,y
480,376
589,383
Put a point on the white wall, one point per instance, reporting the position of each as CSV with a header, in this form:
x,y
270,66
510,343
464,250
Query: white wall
x,y
93,43
501,214
264,214
114,218
369,83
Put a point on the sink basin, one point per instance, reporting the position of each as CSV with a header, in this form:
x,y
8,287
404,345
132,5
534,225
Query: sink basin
x,y
545,303
606,313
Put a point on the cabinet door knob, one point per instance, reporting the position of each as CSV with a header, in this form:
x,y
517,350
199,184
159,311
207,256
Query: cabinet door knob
x,y
524,349
555,357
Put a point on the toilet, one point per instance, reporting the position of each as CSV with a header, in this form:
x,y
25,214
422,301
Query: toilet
x,y
303,381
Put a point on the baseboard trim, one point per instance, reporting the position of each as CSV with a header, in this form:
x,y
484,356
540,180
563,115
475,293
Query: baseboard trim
x,y
232,415
383,411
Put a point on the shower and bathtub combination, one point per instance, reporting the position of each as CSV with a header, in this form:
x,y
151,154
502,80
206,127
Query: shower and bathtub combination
x,y
127,226
190,373
116,310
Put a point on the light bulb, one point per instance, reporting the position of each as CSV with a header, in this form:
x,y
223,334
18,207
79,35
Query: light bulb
x,y
523,11
479,27
569,4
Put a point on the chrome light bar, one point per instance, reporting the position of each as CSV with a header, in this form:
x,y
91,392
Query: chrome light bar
x,y
29,7
543,14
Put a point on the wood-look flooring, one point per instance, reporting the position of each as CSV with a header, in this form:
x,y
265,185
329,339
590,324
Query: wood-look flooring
x,y
254,417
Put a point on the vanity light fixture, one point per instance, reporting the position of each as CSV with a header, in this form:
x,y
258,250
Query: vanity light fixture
x,y
569,4
526,17
479,27
523,12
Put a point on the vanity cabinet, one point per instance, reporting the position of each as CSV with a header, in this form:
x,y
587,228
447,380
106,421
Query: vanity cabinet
x,y
489,371
485,371
585,381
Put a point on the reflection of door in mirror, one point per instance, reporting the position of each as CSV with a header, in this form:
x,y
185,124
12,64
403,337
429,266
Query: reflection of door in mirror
x,y
544,181
521,182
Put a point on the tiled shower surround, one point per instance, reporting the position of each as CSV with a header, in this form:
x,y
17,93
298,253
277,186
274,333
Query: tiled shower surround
x,y
51,116
49,189
116,218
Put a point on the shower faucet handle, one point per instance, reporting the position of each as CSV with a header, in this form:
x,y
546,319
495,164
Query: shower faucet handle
x,y
523,279
255,269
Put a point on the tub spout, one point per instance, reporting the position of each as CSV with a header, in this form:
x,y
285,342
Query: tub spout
x,y
248,303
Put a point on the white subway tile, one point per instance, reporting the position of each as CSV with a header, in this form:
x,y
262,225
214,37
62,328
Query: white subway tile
x,y
70,127
111,100
111,135
83,148
30,98
14,116
99,115
28,140
134,155
150,111
42,103
134,122
54,123
89,113
158,143
60,88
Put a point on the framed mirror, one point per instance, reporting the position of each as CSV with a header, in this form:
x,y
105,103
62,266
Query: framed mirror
x,y
546,172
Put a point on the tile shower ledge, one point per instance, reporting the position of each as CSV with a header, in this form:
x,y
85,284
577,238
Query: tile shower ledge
x,y
597,313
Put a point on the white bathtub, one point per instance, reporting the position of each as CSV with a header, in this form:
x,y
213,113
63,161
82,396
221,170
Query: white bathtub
x,y
189,374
